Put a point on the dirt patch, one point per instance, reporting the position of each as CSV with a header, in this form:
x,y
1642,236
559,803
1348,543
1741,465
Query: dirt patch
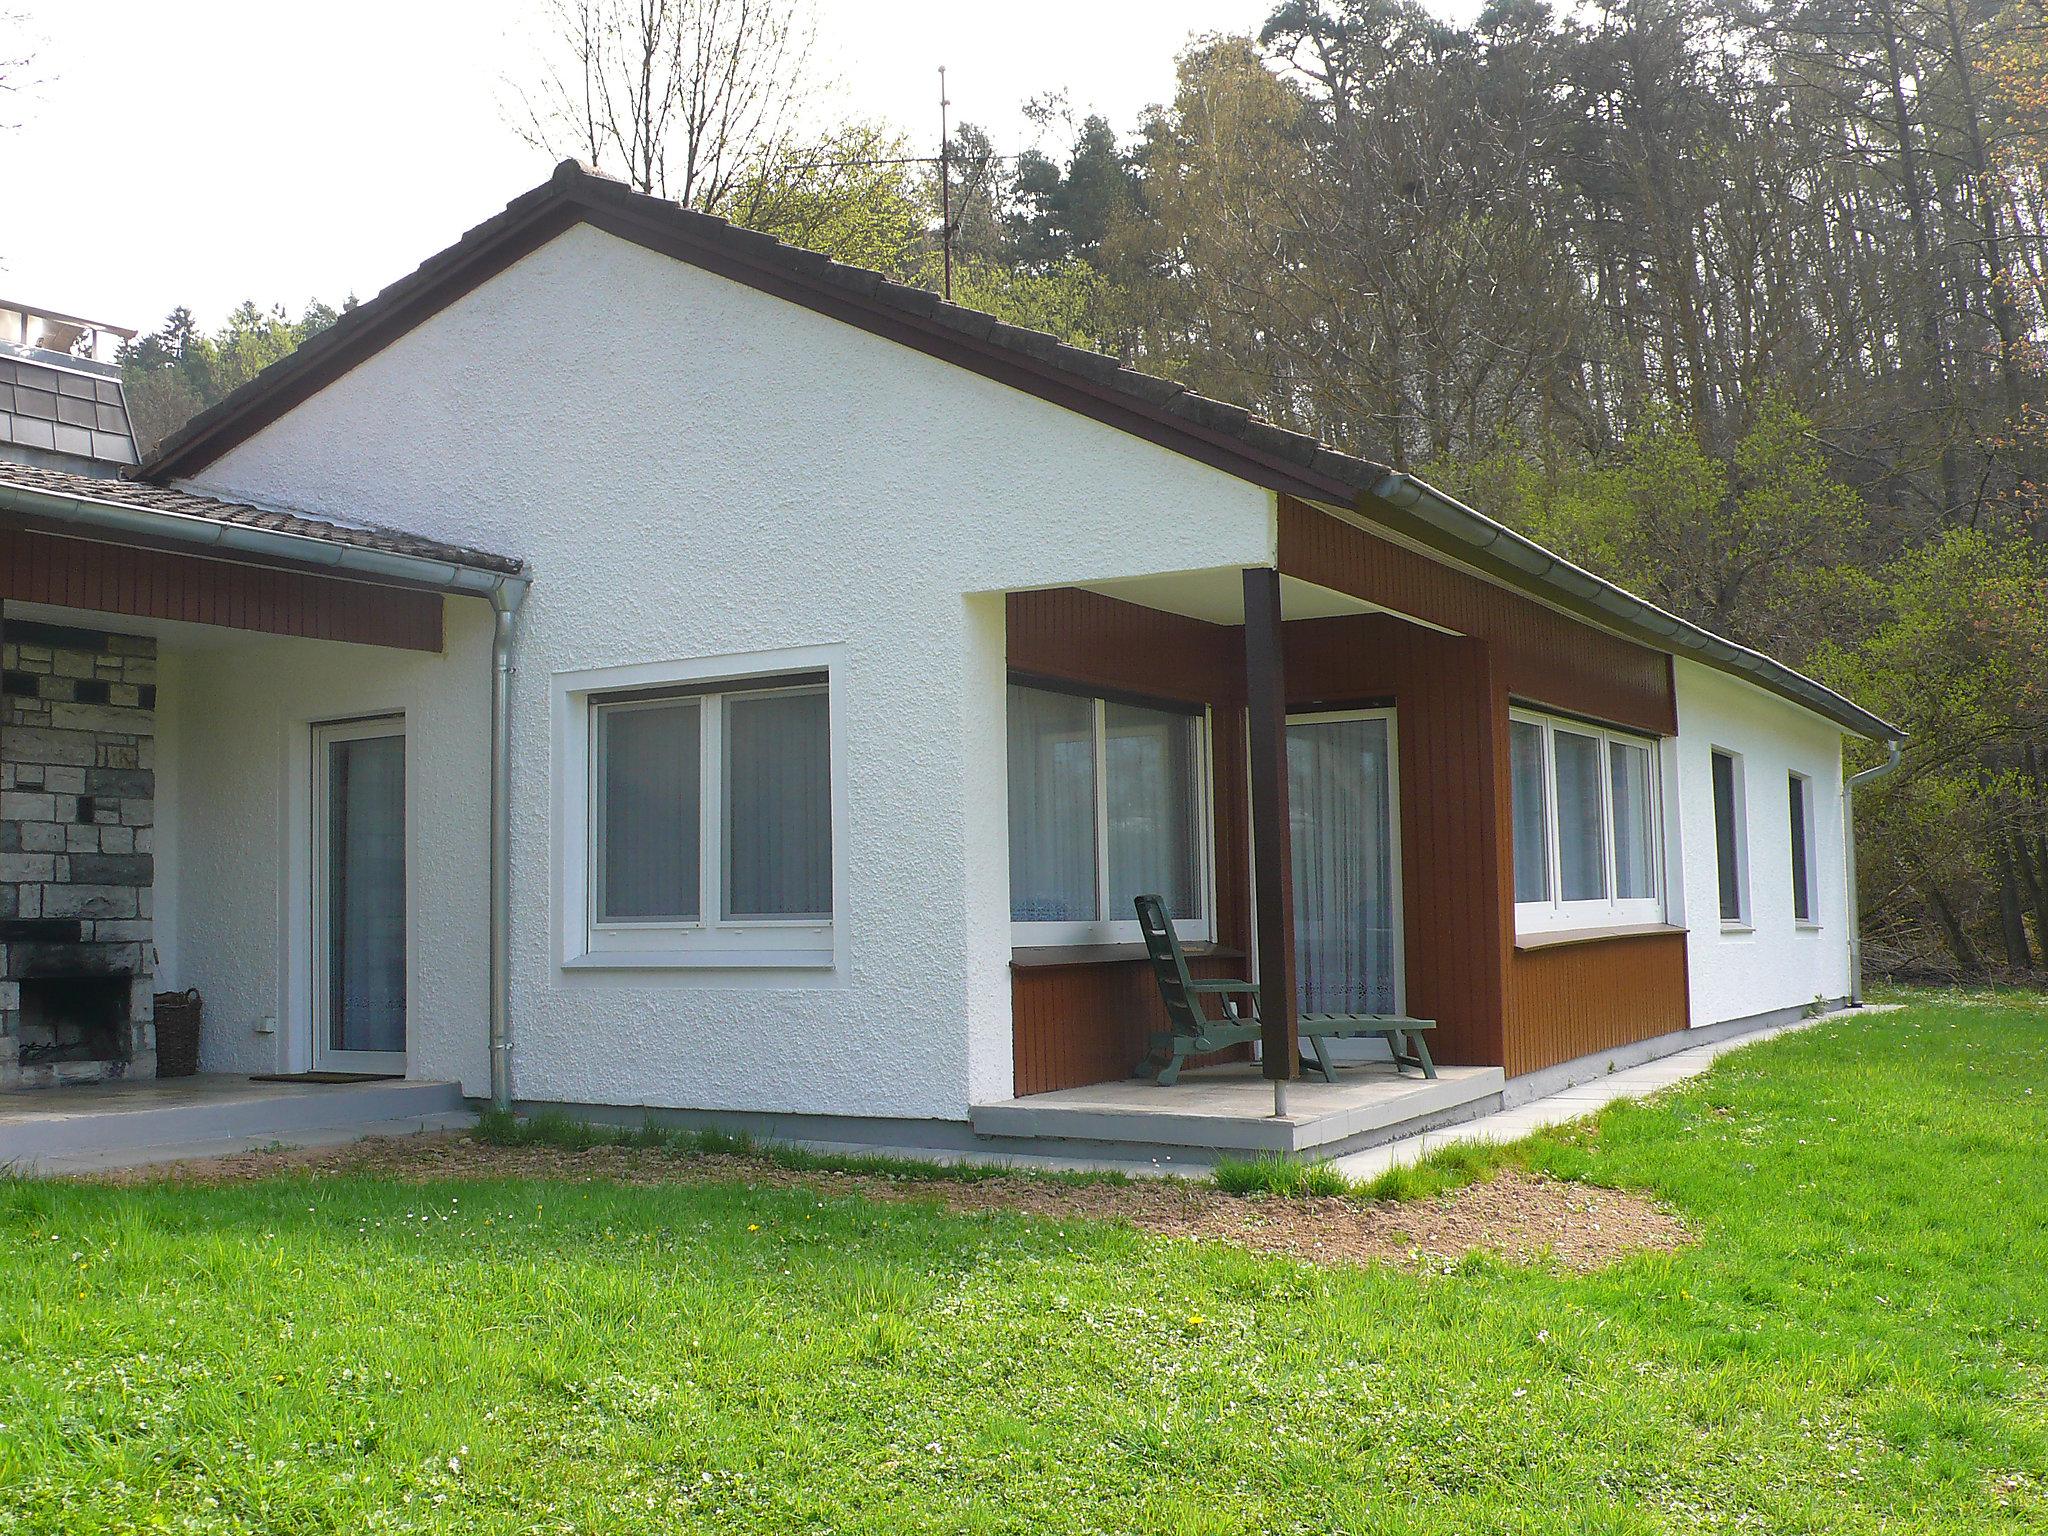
x,y
1514,1214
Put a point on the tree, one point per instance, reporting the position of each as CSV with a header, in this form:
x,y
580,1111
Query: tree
x,y
176,371
685,99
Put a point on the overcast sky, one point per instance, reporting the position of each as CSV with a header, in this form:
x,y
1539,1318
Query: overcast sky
x,y
201,152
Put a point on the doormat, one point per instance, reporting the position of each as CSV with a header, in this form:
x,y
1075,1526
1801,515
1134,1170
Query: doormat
x,y
325,1077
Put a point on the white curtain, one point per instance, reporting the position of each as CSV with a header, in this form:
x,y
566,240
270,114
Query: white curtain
x,y
778,799
1155,809
366,894
1052,807
1532,811
650,832
1635,821
1581,827
1341,810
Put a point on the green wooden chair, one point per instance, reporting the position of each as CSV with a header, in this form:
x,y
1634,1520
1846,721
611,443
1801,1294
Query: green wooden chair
x,y
1192,1031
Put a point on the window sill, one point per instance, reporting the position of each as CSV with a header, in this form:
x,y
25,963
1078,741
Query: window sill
x,y
1049,956
1807,925
702,960
1736,929
1560,937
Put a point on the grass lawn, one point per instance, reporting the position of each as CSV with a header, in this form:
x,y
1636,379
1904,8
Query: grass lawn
x,y
1855,1344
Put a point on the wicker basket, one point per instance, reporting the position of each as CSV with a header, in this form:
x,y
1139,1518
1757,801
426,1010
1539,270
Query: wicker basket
x,y
177,1033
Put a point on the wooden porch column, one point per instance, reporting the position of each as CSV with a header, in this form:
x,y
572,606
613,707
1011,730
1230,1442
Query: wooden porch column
x,y
1265,692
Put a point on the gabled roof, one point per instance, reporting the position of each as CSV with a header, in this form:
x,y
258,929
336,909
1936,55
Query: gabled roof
x,y
31,489
1213,432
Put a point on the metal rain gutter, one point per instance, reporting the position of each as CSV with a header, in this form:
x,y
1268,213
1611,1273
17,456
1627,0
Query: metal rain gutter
x,y
505,591
205,533
505,602
1494,543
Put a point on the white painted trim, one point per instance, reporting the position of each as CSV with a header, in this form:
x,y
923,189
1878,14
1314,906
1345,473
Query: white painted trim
x,y
711,943
1555,914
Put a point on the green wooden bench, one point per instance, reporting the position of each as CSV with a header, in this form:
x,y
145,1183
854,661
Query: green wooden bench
x,y
1193,1032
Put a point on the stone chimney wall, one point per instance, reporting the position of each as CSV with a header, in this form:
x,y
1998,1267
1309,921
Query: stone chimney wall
x,y
77,866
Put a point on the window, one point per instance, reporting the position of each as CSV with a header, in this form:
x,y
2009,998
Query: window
x,y
1108,802
1800,792
1731,853
711,822
1586,822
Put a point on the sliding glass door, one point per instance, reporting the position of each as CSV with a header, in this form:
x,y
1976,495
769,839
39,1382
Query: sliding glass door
x,y
359,907
1343,811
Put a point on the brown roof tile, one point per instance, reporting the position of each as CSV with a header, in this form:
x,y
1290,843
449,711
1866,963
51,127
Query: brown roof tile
x,y
141,496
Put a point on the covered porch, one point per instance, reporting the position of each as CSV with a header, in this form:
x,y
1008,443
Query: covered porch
x,y
1351,840
246,755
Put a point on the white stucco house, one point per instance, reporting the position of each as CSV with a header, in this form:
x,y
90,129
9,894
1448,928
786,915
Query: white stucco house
x,y
856,660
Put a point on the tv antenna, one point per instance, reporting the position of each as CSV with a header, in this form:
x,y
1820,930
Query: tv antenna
x,y
945,184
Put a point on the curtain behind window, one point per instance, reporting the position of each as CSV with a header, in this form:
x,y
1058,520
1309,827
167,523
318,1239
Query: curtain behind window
x,y
1052,807
650,832
778,800
1155,809
1340,818
1532,816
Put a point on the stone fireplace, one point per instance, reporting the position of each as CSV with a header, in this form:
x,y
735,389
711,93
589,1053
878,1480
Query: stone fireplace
x,y
77,867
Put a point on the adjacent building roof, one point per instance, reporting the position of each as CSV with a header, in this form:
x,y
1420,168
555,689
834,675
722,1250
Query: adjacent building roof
x,y
1158,409
38,492
63,410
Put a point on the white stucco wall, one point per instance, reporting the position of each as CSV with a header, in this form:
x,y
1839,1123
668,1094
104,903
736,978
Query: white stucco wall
x,y
235,751
694,470
1774,962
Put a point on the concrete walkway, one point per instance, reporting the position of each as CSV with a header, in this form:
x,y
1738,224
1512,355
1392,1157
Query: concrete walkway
x,y
1502,1125
285,1115
1572,1103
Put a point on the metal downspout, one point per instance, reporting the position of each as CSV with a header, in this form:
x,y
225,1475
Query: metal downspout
x,y
505,600
1849,787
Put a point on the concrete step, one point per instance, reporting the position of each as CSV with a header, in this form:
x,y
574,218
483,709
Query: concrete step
x,y
40,1126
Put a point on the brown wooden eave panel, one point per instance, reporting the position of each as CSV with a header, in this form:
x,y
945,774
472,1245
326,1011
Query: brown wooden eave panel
x,y
149,583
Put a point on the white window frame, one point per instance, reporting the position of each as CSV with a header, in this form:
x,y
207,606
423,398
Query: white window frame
x,y
1554,914
1743,921
1105,929
711,940
1811,918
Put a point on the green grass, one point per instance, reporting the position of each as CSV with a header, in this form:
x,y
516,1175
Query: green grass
x,y
1855,1344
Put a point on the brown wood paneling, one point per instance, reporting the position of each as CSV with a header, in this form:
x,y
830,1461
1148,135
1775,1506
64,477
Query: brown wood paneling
x,y
1452,746
1544,656
1494,1005
158,584
1574,999
1078,1024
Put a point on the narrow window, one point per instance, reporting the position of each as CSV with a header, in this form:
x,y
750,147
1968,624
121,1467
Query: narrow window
x,y
1800,790
1635,822
1155,807
1532,814
648,812
1052,807
778,805
1728,850
1581,832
